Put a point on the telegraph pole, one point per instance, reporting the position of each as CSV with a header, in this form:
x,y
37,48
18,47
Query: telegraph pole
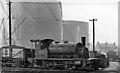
x,y
93,20
10,38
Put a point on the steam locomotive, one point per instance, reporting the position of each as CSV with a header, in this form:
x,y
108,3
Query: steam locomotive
x,y
54,55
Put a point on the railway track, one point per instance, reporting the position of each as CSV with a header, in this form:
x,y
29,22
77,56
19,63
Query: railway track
x,y
36,70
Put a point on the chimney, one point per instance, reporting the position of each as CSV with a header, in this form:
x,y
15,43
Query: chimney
x,y
83,40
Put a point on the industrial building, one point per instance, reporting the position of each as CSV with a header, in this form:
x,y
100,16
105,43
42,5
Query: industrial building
x,y
105,47
35,20
73,31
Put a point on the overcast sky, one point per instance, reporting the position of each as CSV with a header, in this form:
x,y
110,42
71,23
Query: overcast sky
x,y
106,12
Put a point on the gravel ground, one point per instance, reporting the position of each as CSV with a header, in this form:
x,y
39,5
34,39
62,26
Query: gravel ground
x,y
113,66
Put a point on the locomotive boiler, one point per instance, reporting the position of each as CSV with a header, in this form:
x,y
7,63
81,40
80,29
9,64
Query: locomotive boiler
x,y
68,50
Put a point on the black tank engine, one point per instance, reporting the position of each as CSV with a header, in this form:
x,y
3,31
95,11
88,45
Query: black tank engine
x,y
48,54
